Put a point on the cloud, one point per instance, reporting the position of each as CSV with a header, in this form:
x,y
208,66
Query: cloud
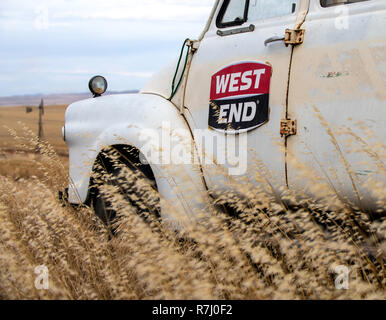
x,y
144,10
59,12
140,74
82,72
64,42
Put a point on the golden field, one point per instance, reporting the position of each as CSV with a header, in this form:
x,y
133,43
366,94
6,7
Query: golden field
x,y
17,160
256,247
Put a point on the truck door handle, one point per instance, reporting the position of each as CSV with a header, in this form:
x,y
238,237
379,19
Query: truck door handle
x,y
273,39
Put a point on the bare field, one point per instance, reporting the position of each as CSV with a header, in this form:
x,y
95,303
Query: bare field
x,y
53,120
15,159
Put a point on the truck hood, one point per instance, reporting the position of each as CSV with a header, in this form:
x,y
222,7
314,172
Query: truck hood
x,y
161,82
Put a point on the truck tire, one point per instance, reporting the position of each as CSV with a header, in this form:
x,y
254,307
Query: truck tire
x,y
107,171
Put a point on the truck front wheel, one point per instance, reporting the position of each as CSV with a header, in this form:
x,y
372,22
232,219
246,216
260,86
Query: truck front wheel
x,y
118,170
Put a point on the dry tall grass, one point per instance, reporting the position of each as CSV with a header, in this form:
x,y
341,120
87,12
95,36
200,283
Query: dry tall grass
x,y
266,251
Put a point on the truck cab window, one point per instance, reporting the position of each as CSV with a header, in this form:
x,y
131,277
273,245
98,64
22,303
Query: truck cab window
x,y
330,3
232,13
236,12
267,9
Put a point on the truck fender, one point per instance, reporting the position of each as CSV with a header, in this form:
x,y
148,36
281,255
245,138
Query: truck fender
x,y
142,121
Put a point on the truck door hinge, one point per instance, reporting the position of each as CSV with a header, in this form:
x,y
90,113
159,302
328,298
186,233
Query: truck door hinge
x,y
193,44
288,127
294,36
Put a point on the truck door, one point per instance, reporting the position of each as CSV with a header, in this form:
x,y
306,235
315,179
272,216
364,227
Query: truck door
x,y
238,82
337,95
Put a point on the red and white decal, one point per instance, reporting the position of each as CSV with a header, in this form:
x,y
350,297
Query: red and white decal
x,y
248,78
239,97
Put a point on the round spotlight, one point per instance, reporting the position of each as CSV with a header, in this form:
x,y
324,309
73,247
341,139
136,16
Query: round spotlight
x,y
97,85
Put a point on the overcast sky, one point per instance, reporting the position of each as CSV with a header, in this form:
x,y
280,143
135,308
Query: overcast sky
x,y
55,46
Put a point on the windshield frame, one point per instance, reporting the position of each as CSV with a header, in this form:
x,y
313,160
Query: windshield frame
x,y
223,9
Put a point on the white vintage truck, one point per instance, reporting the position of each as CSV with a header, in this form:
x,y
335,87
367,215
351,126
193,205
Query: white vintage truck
x,y
271,79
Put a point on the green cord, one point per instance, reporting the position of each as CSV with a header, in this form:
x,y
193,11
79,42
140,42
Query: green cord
x,y
174,90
